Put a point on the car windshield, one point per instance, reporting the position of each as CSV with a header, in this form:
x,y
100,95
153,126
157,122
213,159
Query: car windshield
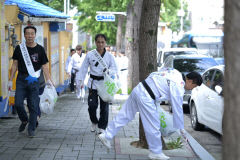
x,y
198,65
166,54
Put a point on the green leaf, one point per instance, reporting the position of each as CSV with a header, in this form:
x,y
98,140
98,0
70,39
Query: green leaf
x,y
174,144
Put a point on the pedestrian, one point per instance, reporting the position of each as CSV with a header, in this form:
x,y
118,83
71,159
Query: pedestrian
x,y
96,75
74,67
167,84
108,48
28,59
72,51
123,72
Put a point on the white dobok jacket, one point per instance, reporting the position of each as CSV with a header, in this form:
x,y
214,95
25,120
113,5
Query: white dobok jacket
x,y
75,62
96,68
168,84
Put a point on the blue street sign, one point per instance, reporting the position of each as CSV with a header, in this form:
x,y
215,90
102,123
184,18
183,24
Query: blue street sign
x,y
105,17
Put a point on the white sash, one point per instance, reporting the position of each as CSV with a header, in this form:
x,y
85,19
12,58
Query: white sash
x,y
28,61
100,60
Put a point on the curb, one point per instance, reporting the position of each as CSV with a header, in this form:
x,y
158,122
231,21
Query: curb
x,y
198,149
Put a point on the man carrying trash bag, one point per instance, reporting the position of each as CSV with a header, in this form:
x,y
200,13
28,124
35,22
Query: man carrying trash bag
x,y
167,84
28,59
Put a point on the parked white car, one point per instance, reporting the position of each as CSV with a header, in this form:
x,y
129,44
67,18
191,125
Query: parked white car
x,y
207,102
186,64
164,53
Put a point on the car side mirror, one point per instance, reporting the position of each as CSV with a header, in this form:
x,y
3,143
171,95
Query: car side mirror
x,y
218,89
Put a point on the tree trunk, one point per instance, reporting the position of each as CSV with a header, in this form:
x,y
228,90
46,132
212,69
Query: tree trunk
x,y
231,118
148,44
119,33
131,42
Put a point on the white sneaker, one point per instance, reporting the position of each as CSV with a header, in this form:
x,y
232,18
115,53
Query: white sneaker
x,y
104,141
100,130
160,156
93,127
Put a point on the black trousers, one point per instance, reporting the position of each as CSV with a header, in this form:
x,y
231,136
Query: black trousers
x,y
92,109
73,75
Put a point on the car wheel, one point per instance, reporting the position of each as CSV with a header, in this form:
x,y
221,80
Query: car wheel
x,y
194,119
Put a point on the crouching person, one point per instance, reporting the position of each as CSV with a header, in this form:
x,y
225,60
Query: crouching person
x,y
167,84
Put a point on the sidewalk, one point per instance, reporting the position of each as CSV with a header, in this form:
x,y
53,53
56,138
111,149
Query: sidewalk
x,y
65,135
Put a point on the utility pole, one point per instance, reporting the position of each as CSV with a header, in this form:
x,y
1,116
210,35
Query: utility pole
x,y
66,6
181,15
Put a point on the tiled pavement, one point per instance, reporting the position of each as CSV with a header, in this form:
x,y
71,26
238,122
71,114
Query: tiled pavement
x,y
65,135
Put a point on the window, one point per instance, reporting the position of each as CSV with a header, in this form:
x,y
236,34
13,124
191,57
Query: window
x,y
207,77
169,62
159,58
218,79
175,53
198,64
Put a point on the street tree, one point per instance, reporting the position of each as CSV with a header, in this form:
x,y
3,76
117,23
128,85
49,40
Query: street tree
x,y
148,46
169,14
58,4
231,118
169,11
88,23
132,41
119,42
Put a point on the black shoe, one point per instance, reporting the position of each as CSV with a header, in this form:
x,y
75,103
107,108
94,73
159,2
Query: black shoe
x,y
22,127
31,133
100,130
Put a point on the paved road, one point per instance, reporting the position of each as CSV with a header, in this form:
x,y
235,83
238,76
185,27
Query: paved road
x,y
65,135
208,139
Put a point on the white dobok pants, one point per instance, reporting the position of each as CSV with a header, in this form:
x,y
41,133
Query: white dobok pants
x,y
80,92
139,101
123,79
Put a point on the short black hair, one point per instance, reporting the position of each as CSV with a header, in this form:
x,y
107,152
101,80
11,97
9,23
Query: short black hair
x,y
78,47
72,50
100,35
30,27
195,77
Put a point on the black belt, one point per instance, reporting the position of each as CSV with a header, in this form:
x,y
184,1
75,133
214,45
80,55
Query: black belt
x,y
150,92
23,74
96,77
76,70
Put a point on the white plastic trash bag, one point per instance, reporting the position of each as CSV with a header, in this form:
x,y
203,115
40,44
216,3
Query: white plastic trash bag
x,y
107,88
166,122
48,99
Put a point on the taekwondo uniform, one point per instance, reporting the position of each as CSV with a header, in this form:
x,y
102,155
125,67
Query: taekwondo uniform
x,y
166,84
96,75
73,68
123,74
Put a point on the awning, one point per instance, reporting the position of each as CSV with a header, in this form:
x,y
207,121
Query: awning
x,y
36,9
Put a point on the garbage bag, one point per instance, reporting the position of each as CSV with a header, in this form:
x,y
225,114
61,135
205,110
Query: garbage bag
x,y
107,88
166,122
48,99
